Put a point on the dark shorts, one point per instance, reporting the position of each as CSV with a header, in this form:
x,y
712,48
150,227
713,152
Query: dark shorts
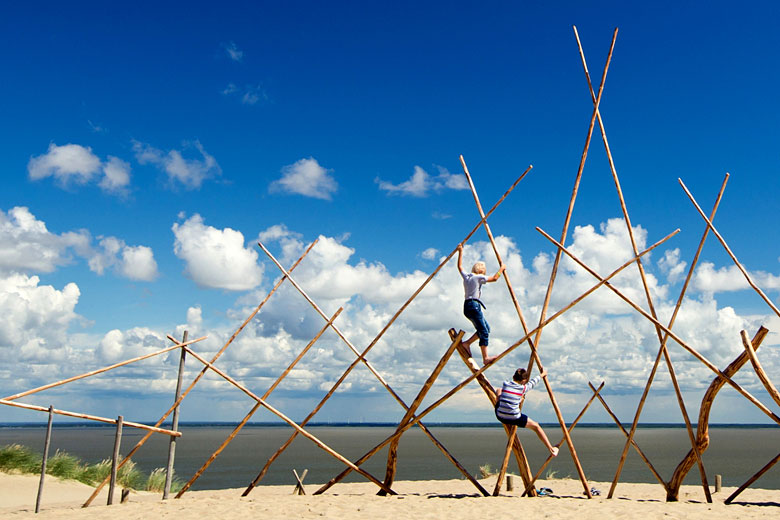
x,y
473,311
520,422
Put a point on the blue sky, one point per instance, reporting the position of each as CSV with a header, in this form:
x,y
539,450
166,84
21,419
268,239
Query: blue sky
x,y
145,149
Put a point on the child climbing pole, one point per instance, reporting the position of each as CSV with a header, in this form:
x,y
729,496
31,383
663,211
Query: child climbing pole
x,y
472,306
508,405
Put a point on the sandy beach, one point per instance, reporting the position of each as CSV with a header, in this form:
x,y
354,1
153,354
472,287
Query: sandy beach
x,y
416,499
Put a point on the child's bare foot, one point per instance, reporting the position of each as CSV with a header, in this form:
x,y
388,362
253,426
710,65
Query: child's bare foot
x,y
489,359
554,451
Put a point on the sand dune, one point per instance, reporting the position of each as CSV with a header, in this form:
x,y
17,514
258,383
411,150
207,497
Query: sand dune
x,y
437,499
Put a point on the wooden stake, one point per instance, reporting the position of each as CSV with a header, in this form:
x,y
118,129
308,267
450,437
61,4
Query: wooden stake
x,y
46,444
299,485
184,394
702,434
175,424
663,351
531,344
268,392
671,334
505,461
114,460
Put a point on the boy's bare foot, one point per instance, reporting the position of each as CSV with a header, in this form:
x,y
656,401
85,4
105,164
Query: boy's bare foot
x,y
554,451
488,359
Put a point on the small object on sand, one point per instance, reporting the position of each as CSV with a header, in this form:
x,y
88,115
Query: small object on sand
x,y
545,491
594,492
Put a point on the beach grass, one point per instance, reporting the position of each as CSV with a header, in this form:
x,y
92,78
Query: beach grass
x,y
16,458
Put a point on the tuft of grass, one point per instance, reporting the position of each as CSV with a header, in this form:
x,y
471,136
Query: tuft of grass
x,y
156,481
64,465
486,471
18,458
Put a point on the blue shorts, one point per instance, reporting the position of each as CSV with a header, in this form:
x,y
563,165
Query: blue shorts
x,y
520,422
473,311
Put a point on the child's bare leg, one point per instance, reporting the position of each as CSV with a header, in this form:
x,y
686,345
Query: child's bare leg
x,y
485,358
467,343
533,425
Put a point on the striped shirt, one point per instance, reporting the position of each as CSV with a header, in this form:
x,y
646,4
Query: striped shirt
x,y
508,406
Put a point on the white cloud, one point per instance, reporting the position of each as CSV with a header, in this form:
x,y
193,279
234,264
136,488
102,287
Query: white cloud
x,y
132,262
248,94
430,253
305,177
190,173
671,265
216,258
233,52
76,164
420,184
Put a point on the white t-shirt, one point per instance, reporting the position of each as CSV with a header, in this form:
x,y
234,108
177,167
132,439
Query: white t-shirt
x,y
472,285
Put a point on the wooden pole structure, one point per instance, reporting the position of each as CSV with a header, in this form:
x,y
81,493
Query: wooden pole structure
x,y
114,460
752,479
531,344
184,394
289,421
476,374
289,441
702,433
633,442
570,210
663,351
256,406
46,444
672,335
299,482
770,388
529,488
150,429
175,423
99,371
505,461
728,250
392,452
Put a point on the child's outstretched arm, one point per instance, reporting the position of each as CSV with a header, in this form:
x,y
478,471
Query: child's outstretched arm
x,y
496,276
460,257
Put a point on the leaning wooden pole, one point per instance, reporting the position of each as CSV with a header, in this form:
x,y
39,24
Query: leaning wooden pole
x,y
184,394
114,461
531,344
289,441
478,373
752,479
505,461
268,392
175,423
759,369
663,351
45,458
573,198
706,362
327,449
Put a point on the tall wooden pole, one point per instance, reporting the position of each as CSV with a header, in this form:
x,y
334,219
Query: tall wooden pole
x,y
46,445
175,424
115,460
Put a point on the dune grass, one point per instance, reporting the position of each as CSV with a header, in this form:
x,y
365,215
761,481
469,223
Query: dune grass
x,y
15,458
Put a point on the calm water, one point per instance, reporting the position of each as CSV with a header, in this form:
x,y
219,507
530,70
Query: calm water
x,y
736,453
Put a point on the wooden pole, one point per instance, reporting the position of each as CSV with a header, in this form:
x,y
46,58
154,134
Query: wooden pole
x,y
175,424
643,277
702,434
530,487
770,388
292,423
97,418
672,335
728,250
114,460
718,483
184,394
46,445
752,479
531,344
256,406
663,351
505,461
299,485
99,371
570,210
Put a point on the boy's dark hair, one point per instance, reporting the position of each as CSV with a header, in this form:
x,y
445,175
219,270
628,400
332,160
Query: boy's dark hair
x,y
520,375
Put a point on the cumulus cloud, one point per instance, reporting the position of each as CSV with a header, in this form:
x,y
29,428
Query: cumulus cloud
x,y
430,253
421,183
305,177
75,164
189,173
132,262
214,257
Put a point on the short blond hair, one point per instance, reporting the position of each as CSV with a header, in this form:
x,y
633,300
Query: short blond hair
x,y
479,268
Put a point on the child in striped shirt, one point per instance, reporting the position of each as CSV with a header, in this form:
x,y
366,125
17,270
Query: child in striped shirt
x,y
508,405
